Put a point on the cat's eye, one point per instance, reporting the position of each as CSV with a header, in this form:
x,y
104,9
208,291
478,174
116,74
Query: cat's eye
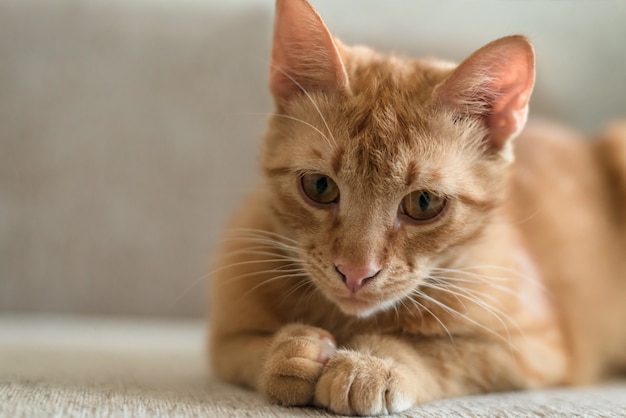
x,y
320,188
423,206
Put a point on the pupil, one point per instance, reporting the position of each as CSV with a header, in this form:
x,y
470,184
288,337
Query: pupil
x,y
424,201
321,185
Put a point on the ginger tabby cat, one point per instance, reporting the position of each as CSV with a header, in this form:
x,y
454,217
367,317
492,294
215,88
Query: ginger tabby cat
x,y
395,251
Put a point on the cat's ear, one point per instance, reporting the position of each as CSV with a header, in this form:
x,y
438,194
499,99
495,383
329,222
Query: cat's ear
x,y
304,54
494,83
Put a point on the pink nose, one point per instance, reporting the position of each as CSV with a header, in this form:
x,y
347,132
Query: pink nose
x,y
355,277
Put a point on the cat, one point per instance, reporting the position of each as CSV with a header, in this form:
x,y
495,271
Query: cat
x,y
401,247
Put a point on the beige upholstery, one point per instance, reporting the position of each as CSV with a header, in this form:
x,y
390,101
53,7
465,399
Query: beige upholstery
x,y
71,367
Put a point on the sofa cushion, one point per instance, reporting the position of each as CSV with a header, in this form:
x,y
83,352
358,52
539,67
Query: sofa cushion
x,y
96,367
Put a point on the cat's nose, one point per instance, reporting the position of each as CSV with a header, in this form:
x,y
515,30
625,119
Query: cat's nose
x,y
355,277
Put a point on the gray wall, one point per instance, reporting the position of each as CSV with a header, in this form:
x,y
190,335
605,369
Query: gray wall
x,y
129,129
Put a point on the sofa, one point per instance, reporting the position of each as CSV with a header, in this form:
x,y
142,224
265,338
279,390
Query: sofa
x,y
129,132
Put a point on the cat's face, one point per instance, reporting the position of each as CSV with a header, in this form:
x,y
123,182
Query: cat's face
x,y
372,184
371,166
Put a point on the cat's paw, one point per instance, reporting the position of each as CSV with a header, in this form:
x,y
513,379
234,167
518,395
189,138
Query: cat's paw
x,y
294,364
353,383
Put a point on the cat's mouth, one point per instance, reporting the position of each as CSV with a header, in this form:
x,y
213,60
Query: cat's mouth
x,y
358,306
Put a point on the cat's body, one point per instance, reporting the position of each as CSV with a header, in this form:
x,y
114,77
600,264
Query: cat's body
x,y
394,254
575,188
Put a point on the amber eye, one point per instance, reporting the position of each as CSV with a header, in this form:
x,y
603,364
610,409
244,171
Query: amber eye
x,y
422,205
320,188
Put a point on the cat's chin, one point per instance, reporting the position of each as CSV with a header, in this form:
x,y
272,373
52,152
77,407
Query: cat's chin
x,y
362,308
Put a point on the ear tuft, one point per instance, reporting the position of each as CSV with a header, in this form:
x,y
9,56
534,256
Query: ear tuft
x,y
304,54
494,83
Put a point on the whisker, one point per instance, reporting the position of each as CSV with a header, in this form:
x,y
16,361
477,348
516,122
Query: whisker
x,y
473,292
263,232
308,294
454,312
422,306
261,273
486,282
514,272
307,124
476,278
285,268
188,289
246,263
470,295
426,283
310,99
271,280
262,251
466,271
527,218
410,311
256,235
268,242
268,114
304,283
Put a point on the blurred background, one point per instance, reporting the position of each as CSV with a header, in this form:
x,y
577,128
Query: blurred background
x,y
129,128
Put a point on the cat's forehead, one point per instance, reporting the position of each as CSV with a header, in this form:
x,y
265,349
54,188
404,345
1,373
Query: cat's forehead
x,y
387,112
376,142
379,142
390,153
384,133
380,130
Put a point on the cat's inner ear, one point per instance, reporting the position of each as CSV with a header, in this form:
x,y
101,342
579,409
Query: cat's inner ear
x,y
494,83
304,55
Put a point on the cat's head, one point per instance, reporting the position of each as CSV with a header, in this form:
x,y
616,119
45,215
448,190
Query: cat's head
x,y
381,167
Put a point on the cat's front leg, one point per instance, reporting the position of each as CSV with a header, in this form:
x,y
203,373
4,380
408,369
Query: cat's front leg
x,y
381,374
295,360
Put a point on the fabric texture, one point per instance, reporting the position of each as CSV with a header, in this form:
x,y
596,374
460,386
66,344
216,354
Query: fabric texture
x,y
71,367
